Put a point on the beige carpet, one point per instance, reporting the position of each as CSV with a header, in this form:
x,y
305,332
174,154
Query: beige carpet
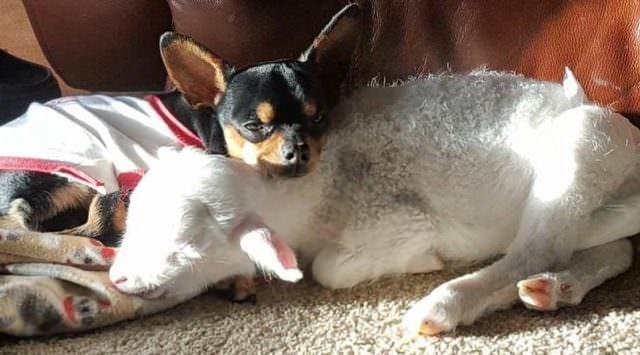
x,y
306,319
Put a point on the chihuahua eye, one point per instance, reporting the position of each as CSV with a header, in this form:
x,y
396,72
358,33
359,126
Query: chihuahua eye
x,y
318,119
253,126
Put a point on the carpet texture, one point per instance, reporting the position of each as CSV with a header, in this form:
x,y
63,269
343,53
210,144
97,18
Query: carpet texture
x,y
307,319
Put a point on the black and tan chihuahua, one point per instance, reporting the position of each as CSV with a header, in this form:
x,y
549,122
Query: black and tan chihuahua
x,y
272,115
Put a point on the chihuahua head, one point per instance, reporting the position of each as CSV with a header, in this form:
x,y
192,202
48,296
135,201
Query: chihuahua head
x,y
274,115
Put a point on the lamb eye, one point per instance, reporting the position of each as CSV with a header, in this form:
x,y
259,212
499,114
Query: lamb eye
x,y
253,126
318,119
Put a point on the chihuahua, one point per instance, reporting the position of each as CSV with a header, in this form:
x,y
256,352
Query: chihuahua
x,y
78,156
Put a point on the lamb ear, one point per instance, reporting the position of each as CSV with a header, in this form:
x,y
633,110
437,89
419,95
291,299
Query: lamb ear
x,y
264,248
572,88
271,254
198,73
332,49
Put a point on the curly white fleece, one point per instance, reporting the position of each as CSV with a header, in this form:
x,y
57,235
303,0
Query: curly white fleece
x,y
450,169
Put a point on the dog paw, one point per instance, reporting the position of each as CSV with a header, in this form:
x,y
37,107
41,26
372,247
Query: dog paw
x,y
545,292
435,314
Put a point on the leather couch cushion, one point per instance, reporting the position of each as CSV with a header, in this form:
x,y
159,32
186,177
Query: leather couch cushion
x,y
102,45
108,46
597,39
247,31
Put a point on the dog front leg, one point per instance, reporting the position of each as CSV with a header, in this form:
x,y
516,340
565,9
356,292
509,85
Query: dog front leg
x,y
106,219
19,216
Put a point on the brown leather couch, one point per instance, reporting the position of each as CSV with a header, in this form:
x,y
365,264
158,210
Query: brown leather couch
x,y
112,45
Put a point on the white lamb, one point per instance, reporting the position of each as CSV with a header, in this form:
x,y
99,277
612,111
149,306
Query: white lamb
x,y
440,171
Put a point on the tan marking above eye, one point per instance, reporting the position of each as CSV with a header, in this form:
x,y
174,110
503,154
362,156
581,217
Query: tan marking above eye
x,y
265,112
309,108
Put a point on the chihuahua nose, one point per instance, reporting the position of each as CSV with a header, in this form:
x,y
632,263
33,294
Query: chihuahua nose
x,y
297,154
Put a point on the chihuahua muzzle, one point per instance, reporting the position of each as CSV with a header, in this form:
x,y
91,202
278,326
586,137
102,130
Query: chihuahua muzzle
x,y
295,151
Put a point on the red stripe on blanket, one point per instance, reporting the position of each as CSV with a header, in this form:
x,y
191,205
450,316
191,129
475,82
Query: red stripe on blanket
x,y
182,133
69,309
128,181
47,166
107,253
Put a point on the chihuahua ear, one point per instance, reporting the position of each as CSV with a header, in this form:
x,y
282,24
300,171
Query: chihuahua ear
x,y
199,74
332,49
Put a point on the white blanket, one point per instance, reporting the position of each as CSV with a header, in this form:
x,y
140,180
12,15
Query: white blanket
x,y
104,142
